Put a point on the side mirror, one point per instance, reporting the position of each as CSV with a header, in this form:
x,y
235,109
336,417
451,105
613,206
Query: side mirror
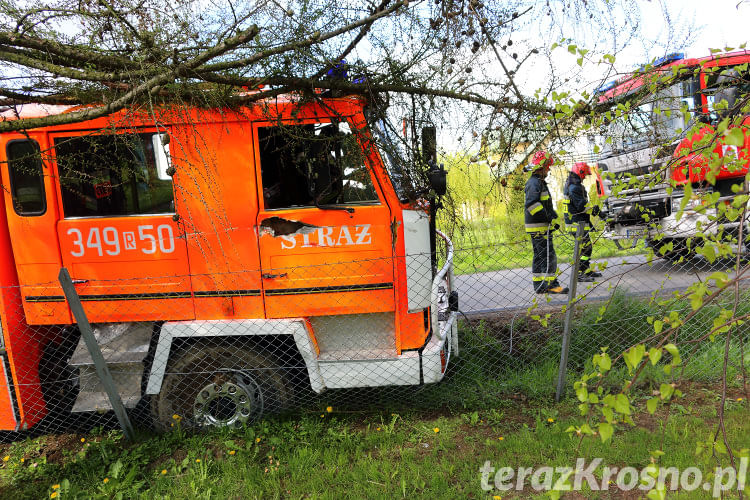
x,y
438,179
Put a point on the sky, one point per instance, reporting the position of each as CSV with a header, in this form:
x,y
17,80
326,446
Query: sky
x,y
721,23
690,26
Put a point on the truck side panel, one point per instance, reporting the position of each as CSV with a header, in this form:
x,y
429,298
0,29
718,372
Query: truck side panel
x,y
217,205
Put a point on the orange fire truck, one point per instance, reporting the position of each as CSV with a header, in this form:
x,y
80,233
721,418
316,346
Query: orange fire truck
x,y
667,141
204,243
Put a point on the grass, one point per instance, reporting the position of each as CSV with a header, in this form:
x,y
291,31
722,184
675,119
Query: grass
x,y
334,455
494,244
412,442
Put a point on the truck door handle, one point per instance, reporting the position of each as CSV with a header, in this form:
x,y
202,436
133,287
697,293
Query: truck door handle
x,y
272,276
79,282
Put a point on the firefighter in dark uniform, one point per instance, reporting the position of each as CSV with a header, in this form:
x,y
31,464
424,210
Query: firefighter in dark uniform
x,y
538,216
577,209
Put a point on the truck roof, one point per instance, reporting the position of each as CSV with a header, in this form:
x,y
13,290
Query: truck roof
x,y
633,81
266,109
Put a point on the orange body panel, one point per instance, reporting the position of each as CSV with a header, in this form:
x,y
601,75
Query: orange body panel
x,y
216,199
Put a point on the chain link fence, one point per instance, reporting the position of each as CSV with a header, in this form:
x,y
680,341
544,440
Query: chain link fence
x,y
196,351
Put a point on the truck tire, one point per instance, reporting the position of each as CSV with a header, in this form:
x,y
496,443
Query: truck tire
x,y
219,386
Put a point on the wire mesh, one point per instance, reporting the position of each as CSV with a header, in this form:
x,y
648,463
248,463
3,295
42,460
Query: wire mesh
x,y
221,353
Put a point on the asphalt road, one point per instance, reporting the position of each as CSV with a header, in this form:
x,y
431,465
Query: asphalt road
x,y
512,289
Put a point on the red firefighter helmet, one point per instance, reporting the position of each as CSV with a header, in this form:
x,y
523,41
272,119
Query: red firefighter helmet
x,y
582,169
542,159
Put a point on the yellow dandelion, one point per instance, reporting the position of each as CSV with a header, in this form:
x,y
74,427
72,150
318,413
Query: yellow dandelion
x,y
83,440
197,460
105,480
257,440
497,497
23,460
176,416
378,428
164,472
171,425
55,486
6,458
329,409
739,400
232,452
322,415
501,438
53,494
436,430
550,420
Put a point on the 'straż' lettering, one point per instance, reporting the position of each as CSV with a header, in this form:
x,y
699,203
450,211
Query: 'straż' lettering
x,y
329,236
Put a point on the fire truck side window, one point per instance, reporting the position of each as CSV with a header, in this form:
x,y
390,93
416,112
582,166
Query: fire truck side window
x,y
316,164
111,175
724,88
26,178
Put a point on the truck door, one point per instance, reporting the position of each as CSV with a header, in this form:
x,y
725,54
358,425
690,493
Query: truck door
x,y
118,234
32,214
324,228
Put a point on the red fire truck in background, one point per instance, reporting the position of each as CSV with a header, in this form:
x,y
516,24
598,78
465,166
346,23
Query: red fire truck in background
x,y
668,148
211,249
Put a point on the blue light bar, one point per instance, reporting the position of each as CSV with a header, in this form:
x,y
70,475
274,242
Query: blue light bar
x,y
605,87
339,71
674,56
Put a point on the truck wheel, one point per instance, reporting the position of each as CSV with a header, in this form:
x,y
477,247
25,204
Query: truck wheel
x,y
220,386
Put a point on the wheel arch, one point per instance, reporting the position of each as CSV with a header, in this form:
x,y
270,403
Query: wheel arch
x,y
276,331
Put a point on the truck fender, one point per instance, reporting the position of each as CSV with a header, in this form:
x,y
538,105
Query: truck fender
x,y
297,328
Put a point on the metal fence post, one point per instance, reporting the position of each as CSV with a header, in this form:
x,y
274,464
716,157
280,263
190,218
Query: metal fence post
x,y
562,372
96,354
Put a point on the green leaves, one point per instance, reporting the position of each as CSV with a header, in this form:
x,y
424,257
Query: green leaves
x,y
734,137
658,325
633,356
654,354
652,404
603,361
605,431
622,404
666,391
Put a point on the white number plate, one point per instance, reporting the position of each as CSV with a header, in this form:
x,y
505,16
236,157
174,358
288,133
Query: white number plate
x,y
146,239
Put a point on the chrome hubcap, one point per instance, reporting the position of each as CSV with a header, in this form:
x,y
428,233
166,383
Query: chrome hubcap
x,y
229,401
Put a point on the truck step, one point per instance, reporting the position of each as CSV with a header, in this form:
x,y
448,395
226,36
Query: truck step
x,y
357,355
98,401
124,347
92,396
119,343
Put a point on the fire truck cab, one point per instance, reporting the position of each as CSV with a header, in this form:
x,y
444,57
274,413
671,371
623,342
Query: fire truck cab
x,y
211,249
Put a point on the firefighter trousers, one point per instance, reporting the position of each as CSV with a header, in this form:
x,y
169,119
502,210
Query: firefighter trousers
x,y
544,263
586,248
